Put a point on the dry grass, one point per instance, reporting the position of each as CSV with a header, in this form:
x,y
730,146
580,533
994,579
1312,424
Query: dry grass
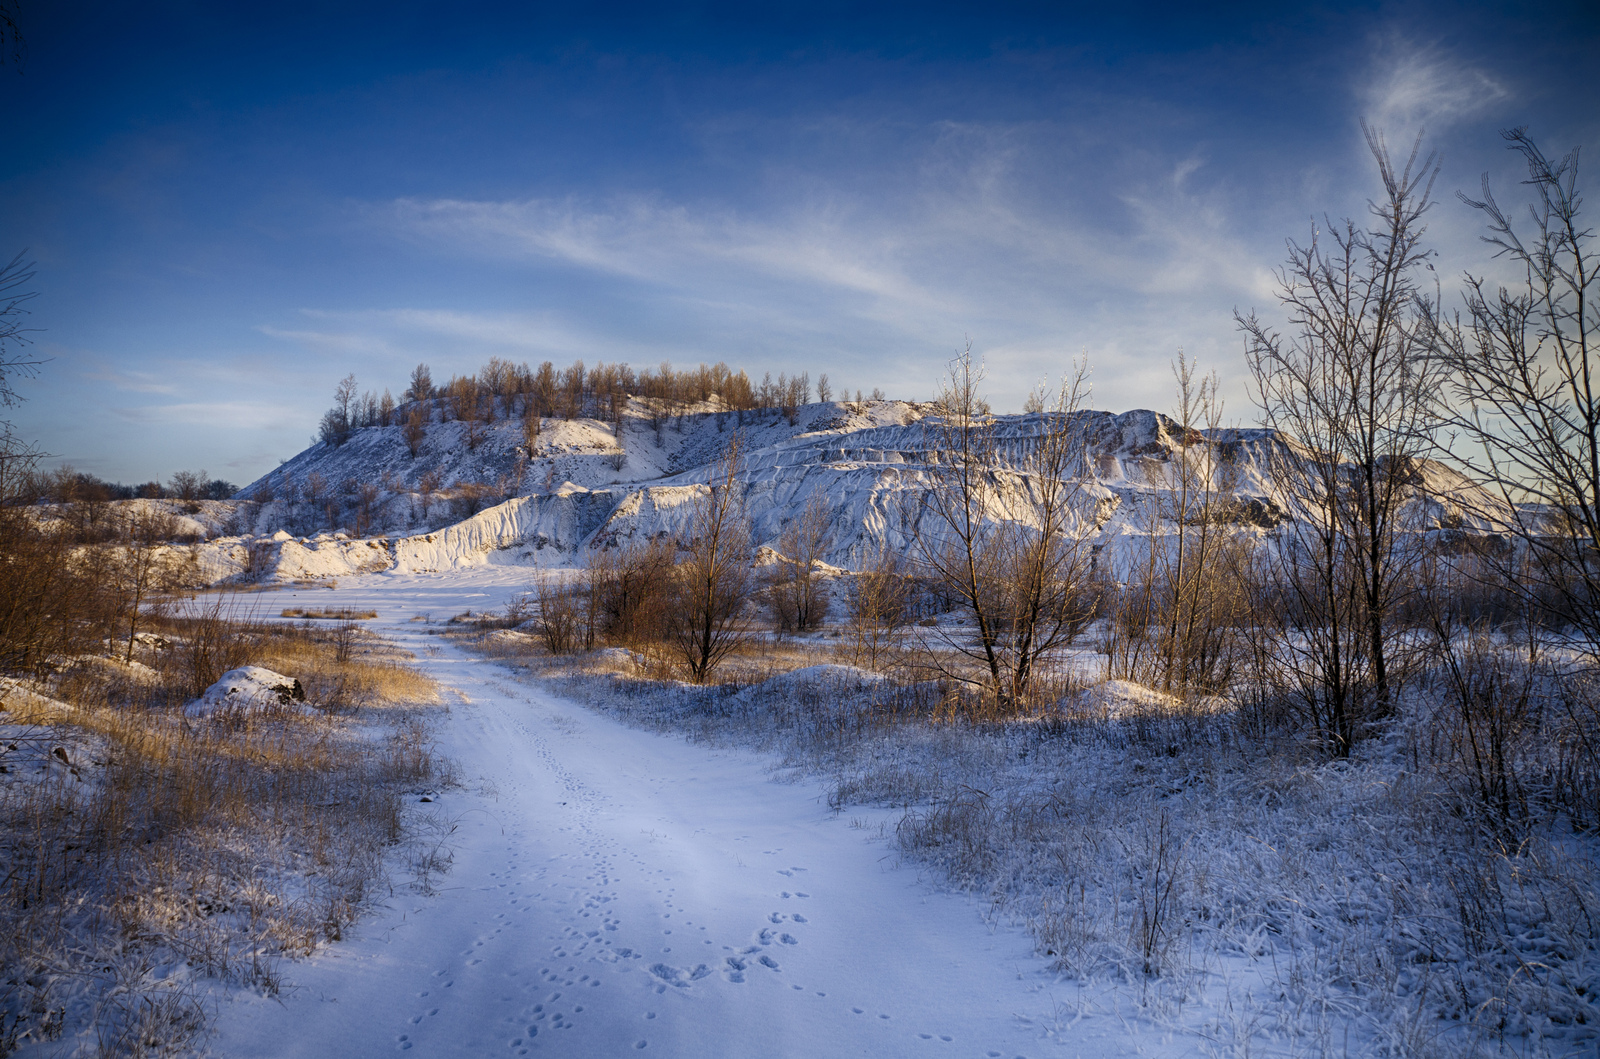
x,y
145,850
331,613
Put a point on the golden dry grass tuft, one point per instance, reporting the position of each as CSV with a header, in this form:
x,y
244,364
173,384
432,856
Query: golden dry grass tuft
x,y
145,849
330,613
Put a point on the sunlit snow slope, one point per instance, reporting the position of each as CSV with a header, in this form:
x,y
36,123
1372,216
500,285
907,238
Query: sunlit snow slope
x,y
370,505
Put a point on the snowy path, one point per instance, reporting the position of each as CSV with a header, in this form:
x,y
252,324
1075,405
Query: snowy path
x,y
616,890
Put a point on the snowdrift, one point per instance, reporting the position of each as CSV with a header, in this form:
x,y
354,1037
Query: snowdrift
x,y
516,531
247,690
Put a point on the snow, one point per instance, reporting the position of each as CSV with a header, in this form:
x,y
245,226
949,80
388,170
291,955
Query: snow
x,y
837,675
248,689
326,556
560,520
1115,698
18,692
615,890
872,465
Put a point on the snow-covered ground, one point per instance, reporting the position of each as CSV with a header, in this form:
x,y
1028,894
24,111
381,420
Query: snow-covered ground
x,y
614,889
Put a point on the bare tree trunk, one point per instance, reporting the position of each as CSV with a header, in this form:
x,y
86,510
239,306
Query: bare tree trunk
x,y
1200,598
1353,389
1009,545
800,596
715,580
877,608
1527,390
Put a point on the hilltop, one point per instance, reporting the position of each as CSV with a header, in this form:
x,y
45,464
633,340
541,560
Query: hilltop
x,y
478,493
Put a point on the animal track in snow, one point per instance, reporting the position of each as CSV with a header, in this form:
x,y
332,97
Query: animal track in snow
x,y
676,977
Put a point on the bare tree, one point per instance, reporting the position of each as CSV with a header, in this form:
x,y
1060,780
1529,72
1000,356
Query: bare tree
x,y
1009,546
498,378
17,457
1202,606
462,398
415,430
799,595
1174,605
187,485
559,619
531,425
366,507
630,588
1352,391
339,420
1526,386
14,361
144,569
11,41
427,486
344,397
824,388
421,386
319,495
877,608
41,590
714,581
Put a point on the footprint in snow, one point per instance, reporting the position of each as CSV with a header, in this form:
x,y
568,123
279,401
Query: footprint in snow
x,y
674,976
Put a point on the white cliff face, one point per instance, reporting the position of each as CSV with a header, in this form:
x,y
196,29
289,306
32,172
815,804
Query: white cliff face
x,y
872,466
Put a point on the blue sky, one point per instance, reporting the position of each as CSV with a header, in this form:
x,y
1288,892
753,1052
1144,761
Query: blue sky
x,y
230,211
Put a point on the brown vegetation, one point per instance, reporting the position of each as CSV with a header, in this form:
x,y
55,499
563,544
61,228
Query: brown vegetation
x,y
1021,580
713,581
796,589
1355,385
337,613
136,836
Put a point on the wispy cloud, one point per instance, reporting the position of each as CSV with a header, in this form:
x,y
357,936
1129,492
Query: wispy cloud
x,y
130,381
234,415
666,244
1012,234
417,332
329,341
959,249
1409,86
